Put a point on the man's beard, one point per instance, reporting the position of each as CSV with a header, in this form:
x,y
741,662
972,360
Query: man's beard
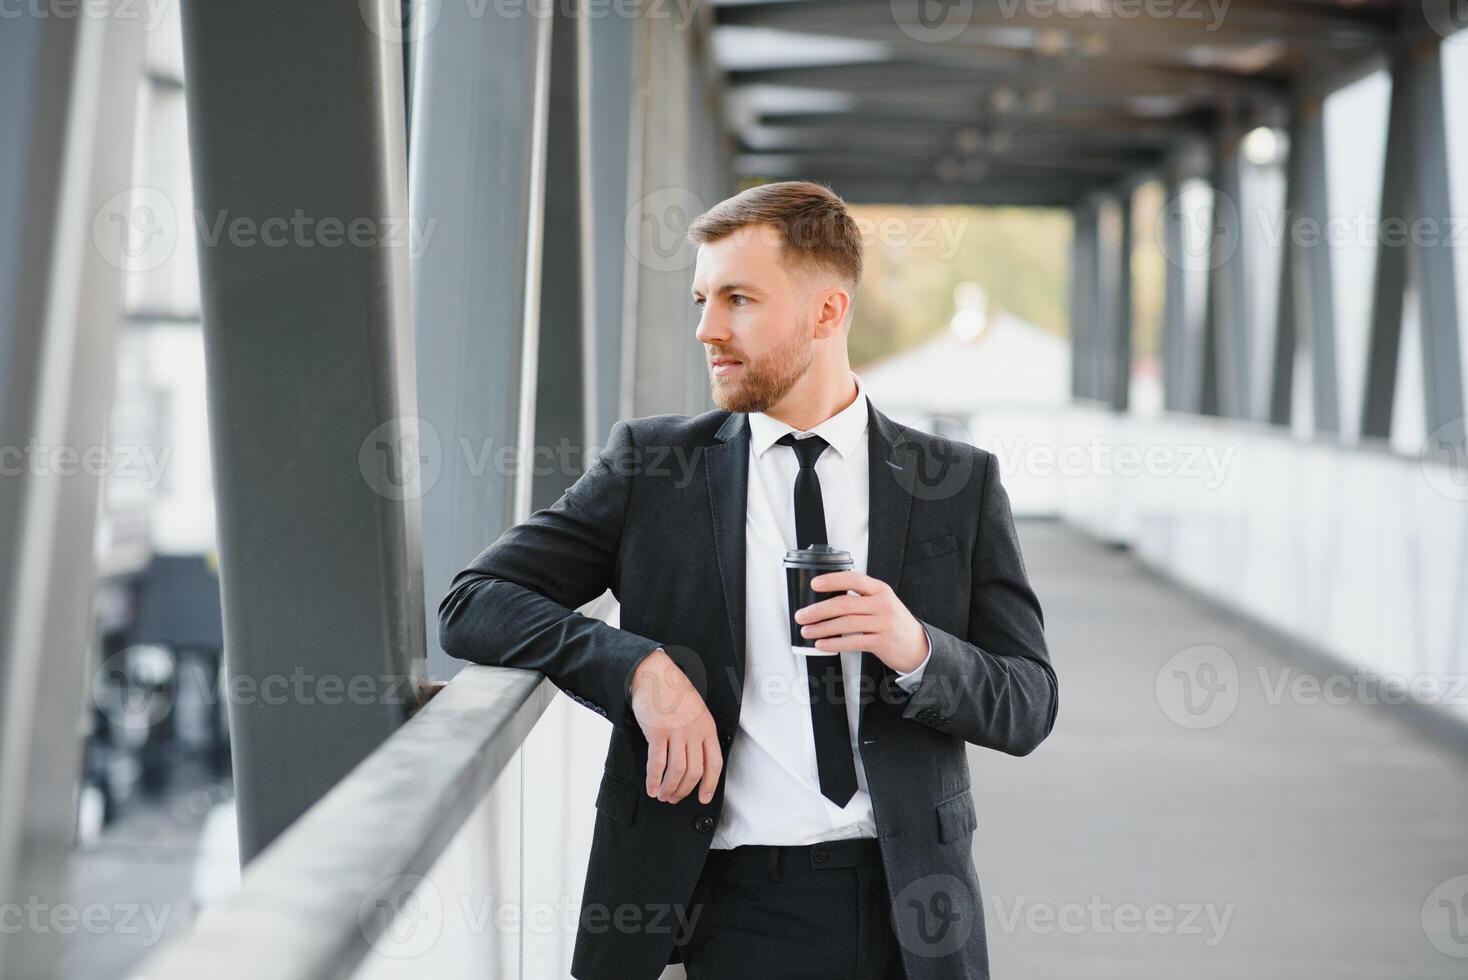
x,y
759,385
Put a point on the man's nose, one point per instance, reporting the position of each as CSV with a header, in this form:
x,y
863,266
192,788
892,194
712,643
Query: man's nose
x,y
710,330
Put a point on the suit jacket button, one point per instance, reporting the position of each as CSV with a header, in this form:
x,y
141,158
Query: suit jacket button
x,y
703,823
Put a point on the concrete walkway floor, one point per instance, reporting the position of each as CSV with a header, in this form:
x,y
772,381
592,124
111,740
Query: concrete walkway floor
x,y
1257,835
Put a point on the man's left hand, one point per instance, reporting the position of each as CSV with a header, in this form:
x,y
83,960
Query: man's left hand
x,y
874,620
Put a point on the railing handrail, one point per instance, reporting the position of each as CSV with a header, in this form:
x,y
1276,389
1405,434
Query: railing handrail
x,y
298,914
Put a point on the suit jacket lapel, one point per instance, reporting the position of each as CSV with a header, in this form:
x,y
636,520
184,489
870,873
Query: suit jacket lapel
x,y
727,465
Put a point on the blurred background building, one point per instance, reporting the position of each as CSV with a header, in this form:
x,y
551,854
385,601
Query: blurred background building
x,y
301,305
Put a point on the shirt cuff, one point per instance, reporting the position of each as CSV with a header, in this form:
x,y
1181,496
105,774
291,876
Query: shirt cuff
x,y
909,681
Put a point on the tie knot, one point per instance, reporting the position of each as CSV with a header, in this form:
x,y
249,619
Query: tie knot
x,y
807,450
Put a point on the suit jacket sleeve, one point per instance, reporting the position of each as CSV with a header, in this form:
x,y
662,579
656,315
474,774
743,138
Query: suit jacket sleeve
x,y
995,687
513,606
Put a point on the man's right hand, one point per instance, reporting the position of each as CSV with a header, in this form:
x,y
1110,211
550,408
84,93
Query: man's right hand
x,y
682,740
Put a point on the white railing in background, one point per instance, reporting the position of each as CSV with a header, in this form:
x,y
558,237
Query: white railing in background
x,y
1356,552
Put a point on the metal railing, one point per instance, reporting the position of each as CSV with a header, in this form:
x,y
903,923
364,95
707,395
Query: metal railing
x,y
298,915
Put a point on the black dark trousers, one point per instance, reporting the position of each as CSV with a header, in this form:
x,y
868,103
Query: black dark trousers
x,y
818,912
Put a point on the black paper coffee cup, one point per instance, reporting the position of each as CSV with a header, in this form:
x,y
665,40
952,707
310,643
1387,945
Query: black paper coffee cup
x,y
802,565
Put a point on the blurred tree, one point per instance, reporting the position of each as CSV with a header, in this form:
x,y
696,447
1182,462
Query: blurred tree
x,y
915,256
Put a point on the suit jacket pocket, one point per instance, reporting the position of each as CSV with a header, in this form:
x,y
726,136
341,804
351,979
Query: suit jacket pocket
x,y
617,797
956,816
933,547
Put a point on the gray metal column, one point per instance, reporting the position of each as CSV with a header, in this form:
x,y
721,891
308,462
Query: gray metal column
x,y
1227,358
1119,347
65,203
566,352
1103,308
1075,304
612,40
1312,286
1390,286
1286,331
1083,299
1442,367
1416,242
1209,401
317,460
1174,308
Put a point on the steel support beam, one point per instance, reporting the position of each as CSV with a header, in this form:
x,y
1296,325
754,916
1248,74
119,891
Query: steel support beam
x,y
1431,205
1286,330
1119,345
1313,282
1226,389
1084,297
1174,297
1415,243
566,349
317,457
1103,326
66,232
612,42
1390,285
1306,297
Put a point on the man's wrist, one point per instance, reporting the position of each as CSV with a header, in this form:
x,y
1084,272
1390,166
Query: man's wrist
x,y
637,667
910,679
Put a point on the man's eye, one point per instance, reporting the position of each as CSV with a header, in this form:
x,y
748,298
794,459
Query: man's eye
x,y
739,300
698,302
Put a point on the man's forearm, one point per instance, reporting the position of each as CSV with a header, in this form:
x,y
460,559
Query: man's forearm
x,y
514,605
499,623
1006,703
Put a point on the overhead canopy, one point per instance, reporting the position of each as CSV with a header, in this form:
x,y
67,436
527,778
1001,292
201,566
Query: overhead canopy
x,y
1028,102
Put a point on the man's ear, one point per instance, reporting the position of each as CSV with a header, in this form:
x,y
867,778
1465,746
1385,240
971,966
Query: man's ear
x,y
834,302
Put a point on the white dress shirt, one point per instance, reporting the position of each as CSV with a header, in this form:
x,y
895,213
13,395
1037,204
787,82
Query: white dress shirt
x,y
772,792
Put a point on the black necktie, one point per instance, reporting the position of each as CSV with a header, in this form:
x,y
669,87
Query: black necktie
x,y
823,670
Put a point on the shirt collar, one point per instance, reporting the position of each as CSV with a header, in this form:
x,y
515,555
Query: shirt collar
x,y
841,431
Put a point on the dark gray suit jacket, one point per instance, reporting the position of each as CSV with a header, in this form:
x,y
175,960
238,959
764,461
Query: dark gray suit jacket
x,y
659,518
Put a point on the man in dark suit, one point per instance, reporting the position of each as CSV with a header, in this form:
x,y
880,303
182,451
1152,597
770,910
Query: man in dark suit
x,y
765,813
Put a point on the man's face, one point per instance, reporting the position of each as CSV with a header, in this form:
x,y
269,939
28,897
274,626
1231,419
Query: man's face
x,y
753,310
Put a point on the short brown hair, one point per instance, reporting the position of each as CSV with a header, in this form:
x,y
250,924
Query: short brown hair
x,y
814,225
